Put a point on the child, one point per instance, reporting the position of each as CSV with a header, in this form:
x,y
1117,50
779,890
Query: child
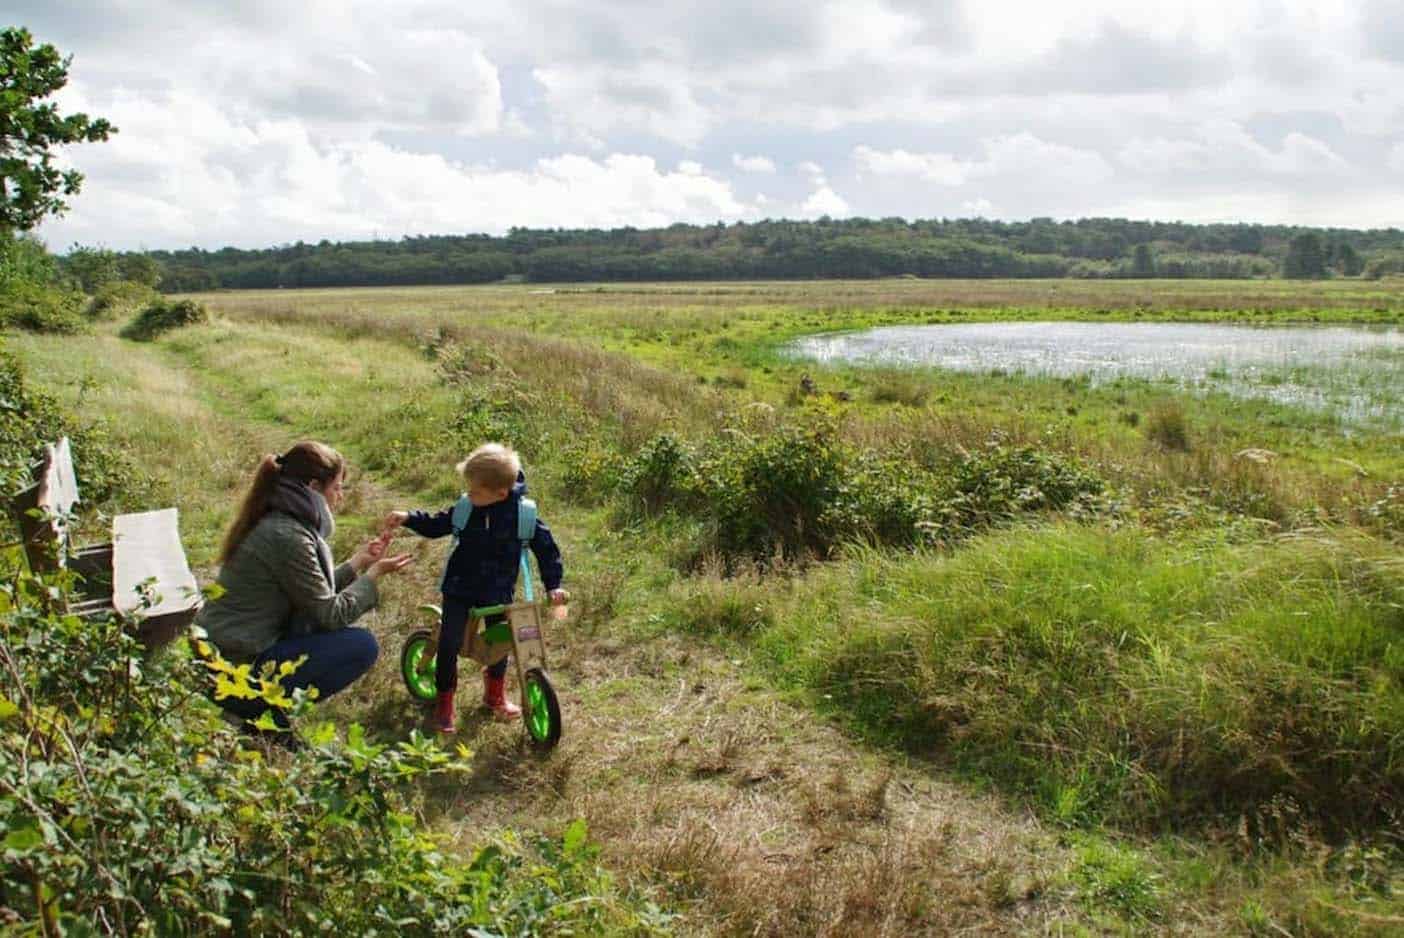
x,y
482,567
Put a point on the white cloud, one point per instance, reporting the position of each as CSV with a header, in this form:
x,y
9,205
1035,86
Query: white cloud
x,y
1220,146
940,168
824,201
977,208
206,177
1396,157
262,121
753,164
1019,155
654,99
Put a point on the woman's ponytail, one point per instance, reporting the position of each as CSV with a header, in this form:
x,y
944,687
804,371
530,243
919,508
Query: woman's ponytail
x,y
307,461
254,505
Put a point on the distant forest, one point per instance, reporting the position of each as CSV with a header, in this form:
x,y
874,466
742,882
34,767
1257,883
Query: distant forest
x,y
767,250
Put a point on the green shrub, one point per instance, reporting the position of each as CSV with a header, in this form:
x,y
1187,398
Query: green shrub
x,y
30,418
129,807
999,482
24,261
774,495
662,472
40,308
589,470
1167,425
161,317
120,298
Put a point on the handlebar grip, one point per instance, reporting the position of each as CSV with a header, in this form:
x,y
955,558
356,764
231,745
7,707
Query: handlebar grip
x,y
482,612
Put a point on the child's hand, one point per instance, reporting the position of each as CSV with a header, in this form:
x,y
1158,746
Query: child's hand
x,y
392,521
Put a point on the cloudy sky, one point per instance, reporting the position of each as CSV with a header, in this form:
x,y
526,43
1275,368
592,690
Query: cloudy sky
x,y
254,123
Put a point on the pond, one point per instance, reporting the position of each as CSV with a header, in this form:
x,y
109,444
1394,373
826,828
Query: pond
x,y
1354,371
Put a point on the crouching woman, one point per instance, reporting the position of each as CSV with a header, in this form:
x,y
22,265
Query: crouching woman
x,y
283,596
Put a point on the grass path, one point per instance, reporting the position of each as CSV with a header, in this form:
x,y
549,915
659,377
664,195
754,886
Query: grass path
x,y
732,805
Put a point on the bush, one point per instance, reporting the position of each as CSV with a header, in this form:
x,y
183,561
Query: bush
x,y
24,261
162,316
40,308
119,298
129,807
1001,481
662,472
30,418
1167,426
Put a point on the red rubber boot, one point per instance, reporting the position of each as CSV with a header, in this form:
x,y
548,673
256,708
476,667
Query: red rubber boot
x,y
495,698
443,712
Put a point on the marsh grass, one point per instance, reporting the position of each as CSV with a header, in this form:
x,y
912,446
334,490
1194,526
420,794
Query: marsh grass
x,y
1118,679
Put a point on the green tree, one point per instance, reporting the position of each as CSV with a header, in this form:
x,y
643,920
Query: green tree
x,y
1347,260
31,186
1306,258
1142,263
139,268
91,267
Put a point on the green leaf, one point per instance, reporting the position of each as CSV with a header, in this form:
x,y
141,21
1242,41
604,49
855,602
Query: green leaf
x,y
574,837
7,709
24,838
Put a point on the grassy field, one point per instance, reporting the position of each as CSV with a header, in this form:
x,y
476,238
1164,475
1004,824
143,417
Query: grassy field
x,y
863,650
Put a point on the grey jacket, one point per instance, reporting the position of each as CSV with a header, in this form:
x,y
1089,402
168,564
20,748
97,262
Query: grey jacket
x,y
281,583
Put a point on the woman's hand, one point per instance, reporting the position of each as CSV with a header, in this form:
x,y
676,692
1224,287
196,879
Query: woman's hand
x,y
559,597
370,552
392,521
389,565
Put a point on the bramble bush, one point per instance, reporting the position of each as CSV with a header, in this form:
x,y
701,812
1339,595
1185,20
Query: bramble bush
x,y
129,807
38,308
796,491
30,418
161,317
119,297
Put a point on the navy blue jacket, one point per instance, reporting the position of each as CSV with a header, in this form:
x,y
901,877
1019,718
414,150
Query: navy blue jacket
x,y
482,570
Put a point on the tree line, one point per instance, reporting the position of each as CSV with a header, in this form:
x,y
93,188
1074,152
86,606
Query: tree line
x,y
784,249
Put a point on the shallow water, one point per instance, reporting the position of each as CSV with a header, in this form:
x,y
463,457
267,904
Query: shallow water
x,y
1356,372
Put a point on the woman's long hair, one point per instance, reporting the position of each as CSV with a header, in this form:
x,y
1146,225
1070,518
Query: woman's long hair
x,y
306,462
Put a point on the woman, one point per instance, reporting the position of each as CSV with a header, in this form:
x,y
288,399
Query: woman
x,y
283,597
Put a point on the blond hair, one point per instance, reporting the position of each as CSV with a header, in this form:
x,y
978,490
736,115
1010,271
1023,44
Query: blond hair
x,y
493,465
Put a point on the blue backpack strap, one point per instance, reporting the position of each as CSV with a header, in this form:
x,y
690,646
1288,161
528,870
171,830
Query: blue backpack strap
x,y
462,509
459,519
526,530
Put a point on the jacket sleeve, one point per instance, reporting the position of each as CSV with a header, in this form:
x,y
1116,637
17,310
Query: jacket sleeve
x,y
548,556
314,599
427,525
345,575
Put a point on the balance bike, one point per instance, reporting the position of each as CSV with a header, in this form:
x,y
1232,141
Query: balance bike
x,y
541,711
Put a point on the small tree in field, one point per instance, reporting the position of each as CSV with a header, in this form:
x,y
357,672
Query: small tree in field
x,y
1142,263
1306,258
31,187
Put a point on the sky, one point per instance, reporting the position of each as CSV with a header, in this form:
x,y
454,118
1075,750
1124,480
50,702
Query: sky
x,y
253,123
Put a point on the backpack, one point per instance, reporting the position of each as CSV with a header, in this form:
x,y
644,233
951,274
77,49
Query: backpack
x,y
526,530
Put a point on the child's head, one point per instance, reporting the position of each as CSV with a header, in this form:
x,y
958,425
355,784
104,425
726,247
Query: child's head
x,y
490,471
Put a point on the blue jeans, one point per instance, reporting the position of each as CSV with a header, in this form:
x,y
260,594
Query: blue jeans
x,y
334,661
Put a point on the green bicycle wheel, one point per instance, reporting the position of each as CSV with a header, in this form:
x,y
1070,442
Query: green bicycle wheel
x,y
417,665
541,710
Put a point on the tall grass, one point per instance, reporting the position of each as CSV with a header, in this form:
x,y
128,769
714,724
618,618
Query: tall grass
x,y
1114,677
